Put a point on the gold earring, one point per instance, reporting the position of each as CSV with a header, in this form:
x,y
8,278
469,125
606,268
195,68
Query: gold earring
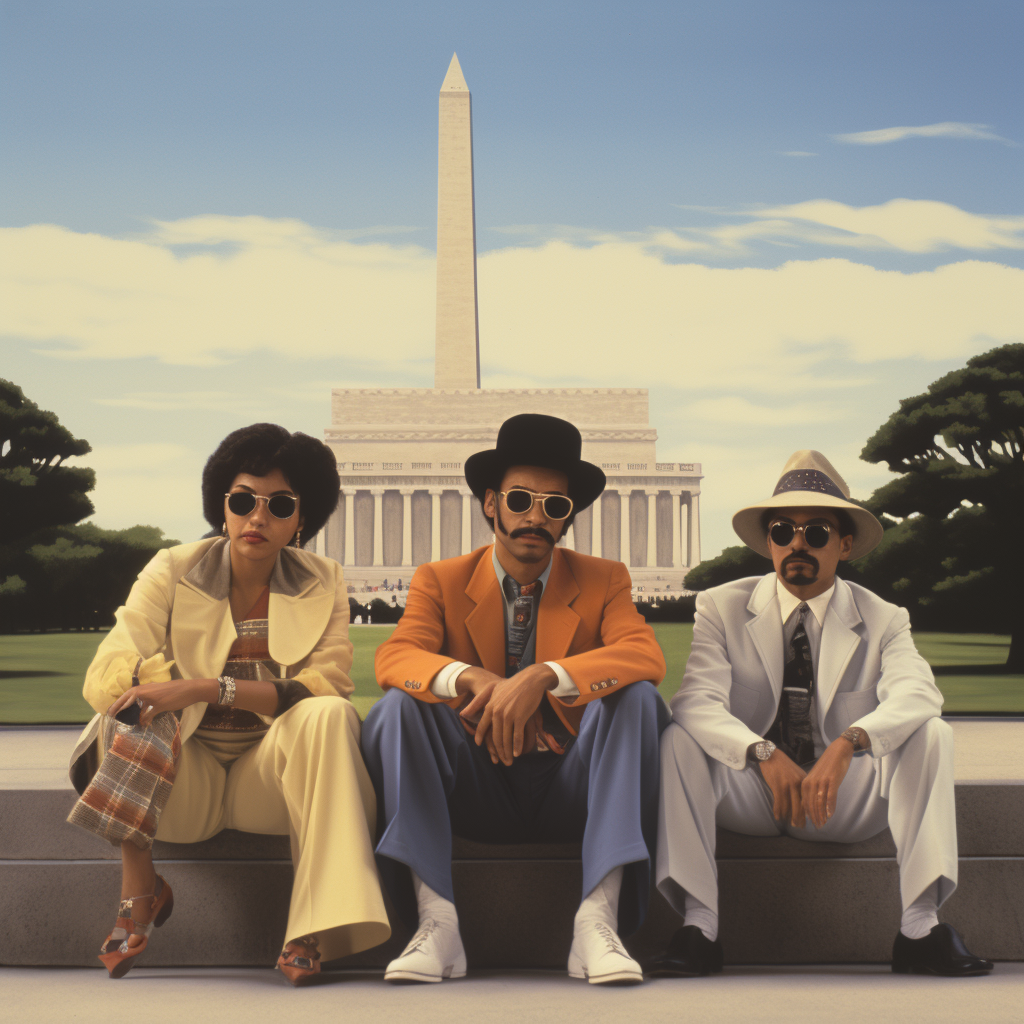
x,y
298,537
224,529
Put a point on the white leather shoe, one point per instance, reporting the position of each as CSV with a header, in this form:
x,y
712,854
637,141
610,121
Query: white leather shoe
x,y
598,955
433,954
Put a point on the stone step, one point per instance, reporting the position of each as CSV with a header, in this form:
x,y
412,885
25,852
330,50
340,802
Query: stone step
x,y
513,913
782,901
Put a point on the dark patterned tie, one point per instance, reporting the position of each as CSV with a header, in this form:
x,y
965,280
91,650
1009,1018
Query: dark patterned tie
x,y
791,730
551,732
524,600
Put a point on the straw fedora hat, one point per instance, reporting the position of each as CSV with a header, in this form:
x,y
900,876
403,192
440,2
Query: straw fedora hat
x,y
808,480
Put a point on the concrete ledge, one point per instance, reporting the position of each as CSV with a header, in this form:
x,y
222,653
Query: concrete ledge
x,y
818,902
232,913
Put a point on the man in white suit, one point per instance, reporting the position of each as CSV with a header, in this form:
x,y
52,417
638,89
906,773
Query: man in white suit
x,y
806,710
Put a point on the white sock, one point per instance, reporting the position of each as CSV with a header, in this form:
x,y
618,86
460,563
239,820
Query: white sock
x,y
922,915
602,902
431,905
701,916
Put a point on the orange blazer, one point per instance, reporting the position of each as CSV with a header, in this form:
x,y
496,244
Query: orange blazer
x,y
586,622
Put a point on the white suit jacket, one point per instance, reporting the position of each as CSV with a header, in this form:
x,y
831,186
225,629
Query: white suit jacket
x,y
179,610
869,672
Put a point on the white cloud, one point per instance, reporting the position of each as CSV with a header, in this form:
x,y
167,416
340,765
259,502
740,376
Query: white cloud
x,y
281,286
945,129
612,313
900,225
624,317
906,225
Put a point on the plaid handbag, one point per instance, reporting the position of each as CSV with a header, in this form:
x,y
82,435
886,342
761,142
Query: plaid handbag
x,y
131,786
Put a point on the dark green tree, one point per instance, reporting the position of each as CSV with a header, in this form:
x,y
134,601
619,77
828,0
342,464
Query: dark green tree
x,y
732,564
959,448
36,488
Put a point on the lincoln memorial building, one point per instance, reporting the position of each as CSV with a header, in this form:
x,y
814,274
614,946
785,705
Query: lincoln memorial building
x,y
400,451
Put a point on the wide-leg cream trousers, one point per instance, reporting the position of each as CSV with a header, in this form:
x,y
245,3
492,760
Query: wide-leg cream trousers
x,y
305,779
699,792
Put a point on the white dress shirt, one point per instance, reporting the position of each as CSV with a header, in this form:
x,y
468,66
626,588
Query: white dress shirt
x,y
443,684
788,604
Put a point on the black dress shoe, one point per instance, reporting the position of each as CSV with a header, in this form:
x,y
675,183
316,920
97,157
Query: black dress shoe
x,y
690,954
941,951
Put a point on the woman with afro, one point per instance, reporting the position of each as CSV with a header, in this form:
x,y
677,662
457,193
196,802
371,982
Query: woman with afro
x,y
221,694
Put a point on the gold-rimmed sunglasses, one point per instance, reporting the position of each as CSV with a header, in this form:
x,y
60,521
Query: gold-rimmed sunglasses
x,y
519,500
280,506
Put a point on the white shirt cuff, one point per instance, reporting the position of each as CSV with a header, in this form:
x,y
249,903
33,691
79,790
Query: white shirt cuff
x,y
566,687
443,685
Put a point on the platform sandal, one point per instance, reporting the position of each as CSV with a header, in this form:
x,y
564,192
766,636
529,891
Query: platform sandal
x,y
117,956
299,965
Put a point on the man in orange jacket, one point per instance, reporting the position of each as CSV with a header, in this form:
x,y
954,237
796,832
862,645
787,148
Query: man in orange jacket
x,y
520,707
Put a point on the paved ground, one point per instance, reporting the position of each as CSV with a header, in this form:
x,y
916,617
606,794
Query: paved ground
x,y
36,757
749,995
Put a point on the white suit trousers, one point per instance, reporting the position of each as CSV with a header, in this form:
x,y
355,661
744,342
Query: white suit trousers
x,y
699,792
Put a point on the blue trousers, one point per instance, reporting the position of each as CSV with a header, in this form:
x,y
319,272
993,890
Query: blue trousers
x,y
432,780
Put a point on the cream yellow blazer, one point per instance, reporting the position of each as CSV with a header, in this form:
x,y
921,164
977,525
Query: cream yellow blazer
x,y
178,618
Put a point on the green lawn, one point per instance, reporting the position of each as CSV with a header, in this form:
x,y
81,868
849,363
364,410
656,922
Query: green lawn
x,y
41,675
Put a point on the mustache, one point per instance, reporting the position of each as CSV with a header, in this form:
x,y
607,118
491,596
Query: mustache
x,y
799,558
533,531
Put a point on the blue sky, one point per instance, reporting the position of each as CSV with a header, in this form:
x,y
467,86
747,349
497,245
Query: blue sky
x,y
675,196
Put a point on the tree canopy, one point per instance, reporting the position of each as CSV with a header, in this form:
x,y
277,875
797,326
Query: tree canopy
x,y
36,488
57,573
959,450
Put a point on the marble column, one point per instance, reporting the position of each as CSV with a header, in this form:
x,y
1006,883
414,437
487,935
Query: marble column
x,y
684,517
625,551
435,523
652,526
695,529
677,553
596,528
406,526
378,525
467,523
350,526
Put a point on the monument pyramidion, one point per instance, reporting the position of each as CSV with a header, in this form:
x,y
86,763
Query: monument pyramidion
x,y
404,499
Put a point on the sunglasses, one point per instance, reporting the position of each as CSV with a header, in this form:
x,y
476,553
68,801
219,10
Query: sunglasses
x,y
280,506
816,534
554,506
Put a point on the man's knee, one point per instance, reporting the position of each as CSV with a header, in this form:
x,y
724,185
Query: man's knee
x,y
640,699
934,734
679,748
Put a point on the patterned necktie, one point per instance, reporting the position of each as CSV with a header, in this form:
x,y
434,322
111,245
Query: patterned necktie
x,y
551,732
524,600
791,730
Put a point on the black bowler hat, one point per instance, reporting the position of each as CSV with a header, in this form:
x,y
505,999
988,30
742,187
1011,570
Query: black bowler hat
x,y
532,439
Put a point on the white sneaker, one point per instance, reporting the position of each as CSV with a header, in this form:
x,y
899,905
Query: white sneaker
x,y
598,955
433,953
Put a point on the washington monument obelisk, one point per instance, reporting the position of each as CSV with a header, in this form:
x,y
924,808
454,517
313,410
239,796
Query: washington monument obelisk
x,y
457,339
401,451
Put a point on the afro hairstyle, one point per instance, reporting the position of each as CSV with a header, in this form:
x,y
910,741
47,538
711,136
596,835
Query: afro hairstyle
x,y
308,464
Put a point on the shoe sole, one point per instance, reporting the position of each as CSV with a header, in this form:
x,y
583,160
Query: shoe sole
x,y
429,978
615,977
940,974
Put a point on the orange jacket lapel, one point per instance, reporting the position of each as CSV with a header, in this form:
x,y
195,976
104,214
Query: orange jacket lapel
x,y
556,621
485,623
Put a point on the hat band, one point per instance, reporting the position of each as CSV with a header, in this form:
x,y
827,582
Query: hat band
x,y
808,480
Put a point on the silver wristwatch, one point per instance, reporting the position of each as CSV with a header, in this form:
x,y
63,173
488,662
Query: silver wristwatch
x,y
763,750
